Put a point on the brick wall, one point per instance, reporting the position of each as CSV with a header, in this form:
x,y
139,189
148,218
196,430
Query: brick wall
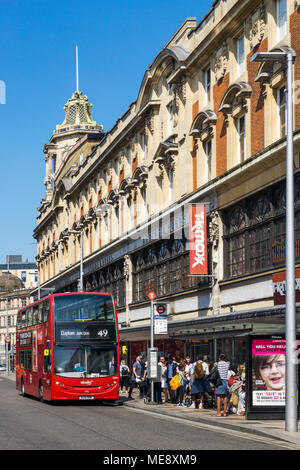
x,y
221,138
256,101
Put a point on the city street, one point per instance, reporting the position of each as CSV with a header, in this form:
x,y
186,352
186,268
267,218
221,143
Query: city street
x,y
27,424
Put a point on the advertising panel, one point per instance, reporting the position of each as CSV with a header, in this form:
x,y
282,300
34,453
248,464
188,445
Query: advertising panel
x,y
266,377
25,338
198,239
268,372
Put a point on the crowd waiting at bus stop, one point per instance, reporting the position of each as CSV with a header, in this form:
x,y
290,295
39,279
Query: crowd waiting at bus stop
x,y
183,383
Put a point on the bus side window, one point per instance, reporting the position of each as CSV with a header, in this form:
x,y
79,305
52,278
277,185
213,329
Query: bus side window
x,y
23,319
46,310
29,316
35,315
40,313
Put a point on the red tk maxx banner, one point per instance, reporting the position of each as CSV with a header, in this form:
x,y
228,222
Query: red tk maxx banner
x,y
198,239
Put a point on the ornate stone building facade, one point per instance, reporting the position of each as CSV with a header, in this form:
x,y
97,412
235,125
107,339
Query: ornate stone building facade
x,y
208,125
13,295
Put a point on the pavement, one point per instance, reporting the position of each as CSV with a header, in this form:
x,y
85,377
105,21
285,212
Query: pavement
x,y
264,428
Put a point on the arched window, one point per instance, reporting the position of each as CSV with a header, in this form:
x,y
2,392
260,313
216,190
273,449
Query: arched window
x,y
235,104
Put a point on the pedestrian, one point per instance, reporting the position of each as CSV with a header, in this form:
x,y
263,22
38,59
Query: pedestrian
x,y
171,371
131,384
221,391
145,380
138,376
182,379
188,370
200,384
164,381
157,385
124,376
241,390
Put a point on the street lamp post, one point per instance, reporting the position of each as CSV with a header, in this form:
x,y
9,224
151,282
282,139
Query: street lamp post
x,y
79,232
6,341
291,418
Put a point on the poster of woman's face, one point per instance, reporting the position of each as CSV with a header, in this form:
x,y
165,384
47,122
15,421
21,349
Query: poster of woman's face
x,y
268,372
270,369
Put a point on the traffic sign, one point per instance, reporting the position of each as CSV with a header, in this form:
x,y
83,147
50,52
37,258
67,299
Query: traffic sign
x,y
161,309
151,295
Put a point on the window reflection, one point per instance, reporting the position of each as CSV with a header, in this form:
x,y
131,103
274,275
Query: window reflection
x,y
85,361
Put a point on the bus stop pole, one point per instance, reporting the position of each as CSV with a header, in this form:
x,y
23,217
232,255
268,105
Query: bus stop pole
x,y
291,419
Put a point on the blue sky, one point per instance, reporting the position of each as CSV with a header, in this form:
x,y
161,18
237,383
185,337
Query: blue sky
x,y
117,41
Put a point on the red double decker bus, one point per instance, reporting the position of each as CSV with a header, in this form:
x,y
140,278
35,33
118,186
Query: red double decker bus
x,y
67,348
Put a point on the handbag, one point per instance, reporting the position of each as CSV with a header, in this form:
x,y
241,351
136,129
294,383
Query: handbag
x,y
234,399
175,382
231,380
214,377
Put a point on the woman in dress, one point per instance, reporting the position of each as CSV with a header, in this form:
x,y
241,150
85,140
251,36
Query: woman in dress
x,y
221,391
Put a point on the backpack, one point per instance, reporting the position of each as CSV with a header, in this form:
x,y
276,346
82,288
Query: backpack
x,y
124,371
199,371
175,382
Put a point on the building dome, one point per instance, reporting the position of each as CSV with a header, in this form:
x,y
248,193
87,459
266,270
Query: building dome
x,y
9,282
78,115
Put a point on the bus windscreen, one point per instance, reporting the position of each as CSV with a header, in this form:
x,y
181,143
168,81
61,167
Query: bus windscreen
x,y
85,361
83,307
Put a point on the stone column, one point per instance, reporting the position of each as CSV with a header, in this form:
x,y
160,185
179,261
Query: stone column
x,y
128,286
215,234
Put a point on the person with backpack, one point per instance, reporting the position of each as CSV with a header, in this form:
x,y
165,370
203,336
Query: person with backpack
x,y
124,376
172,370
200,384
221,390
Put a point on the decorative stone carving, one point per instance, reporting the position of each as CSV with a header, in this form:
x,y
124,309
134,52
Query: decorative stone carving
x,y
121,161
126,266
257,26
109,173
213,228
221,61
149,121
179,90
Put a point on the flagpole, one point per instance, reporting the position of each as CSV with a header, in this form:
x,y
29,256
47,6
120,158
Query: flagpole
x,y
77,80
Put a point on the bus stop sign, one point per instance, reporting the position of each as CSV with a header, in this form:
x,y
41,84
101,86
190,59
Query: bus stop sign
x,y
161,309
151,295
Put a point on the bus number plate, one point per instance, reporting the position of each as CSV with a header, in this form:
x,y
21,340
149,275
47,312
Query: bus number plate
x,y
86,397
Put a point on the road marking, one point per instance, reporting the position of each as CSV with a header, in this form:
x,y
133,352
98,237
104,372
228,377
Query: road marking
x,y
210,427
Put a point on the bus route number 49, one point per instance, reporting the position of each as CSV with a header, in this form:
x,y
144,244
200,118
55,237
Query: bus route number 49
x,y
103,333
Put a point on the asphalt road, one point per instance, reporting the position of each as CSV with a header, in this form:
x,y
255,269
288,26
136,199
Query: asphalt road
x,y
27,424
